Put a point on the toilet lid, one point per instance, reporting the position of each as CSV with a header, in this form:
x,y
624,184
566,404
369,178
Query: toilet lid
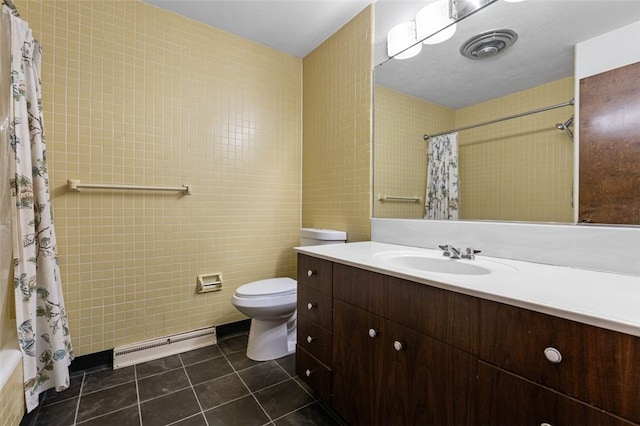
x,y
269,287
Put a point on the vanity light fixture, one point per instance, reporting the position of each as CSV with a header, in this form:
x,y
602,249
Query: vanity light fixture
x,y
435,22
402,42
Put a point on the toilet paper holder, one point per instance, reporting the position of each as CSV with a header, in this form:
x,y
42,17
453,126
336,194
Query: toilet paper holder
x,y
209,282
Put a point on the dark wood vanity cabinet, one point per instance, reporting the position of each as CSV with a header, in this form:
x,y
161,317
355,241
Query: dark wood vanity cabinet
x,y
505,399
358,367
591,365
388,373
404,353
315,324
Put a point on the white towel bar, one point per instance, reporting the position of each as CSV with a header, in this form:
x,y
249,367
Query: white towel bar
x,y
382,197
75,185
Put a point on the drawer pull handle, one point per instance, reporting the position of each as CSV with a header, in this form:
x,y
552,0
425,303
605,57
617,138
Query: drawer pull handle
x,y
553,355
310,339
308,372
398,346
310,273
372,333
311,305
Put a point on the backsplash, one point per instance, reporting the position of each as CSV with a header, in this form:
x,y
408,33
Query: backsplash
x,y
601,248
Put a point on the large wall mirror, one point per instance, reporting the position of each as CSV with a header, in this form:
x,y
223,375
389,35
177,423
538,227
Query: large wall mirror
x,y
518,169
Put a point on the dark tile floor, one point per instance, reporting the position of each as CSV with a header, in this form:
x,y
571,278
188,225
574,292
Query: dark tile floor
x,y
216,385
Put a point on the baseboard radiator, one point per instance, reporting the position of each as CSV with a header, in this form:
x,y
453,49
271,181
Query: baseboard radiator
x,y
149,350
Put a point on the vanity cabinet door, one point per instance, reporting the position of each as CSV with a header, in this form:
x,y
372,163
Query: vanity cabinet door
x,y
357,364
426,382
600,367
506,400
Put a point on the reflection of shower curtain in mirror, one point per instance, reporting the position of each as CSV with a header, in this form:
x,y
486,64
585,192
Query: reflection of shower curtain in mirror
x,y
43,331
442,200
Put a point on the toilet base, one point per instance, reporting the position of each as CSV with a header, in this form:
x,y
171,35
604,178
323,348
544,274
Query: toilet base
x,y
271,339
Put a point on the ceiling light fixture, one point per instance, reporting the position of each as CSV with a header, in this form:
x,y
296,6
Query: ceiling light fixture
x,y
434,22
402,42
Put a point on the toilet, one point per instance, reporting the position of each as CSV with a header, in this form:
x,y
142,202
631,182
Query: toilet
x,y
271,305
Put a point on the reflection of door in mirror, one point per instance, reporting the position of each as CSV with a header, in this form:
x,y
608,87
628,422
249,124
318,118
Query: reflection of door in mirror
x,y
610,147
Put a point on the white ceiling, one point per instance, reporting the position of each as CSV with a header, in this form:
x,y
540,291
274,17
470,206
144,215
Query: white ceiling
x,y
547,31
295,27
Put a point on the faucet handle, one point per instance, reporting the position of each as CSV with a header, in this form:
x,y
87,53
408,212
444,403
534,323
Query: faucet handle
x,y
445,250
470,253
450,251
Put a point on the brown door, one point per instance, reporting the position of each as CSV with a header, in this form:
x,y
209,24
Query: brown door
x,y
610,147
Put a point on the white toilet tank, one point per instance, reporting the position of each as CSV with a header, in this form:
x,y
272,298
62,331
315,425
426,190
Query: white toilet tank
x,y
317,237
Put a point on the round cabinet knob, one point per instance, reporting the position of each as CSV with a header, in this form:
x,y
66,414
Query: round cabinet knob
x,y
398,346
553,355
310,339
310,273
372,332
308,373
311,305
545,424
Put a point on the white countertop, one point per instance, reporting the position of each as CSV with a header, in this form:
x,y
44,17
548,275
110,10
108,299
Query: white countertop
x,y
606,300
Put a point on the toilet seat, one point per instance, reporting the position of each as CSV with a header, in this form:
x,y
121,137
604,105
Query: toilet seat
x,y
270,287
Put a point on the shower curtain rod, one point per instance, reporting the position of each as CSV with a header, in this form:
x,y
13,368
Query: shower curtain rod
x,y
511,117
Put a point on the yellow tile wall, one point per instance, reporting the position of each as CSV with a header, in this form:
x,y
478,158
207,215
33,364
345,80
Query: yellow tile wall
x,y
520,169
7,310
12,399
134,94
337,130
400,154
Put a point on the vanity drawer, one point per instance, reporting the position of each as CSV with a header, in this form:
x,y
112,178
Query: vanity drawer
x,y
506,399
314,374
444,315
315,273
364,289
600,367
315,306
315,340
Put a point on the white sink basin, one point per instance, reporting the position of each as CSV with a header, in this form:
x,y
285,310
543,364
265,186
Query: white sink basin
x,y
442,265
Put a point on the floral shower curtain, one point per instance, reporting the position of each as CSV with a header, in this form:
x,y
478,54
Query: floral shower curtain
x,y
41,319
442,178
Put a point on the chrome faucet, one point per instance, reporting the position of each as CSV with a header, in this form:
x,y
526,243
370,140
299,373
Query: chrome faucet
x,y
450,251
454,253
